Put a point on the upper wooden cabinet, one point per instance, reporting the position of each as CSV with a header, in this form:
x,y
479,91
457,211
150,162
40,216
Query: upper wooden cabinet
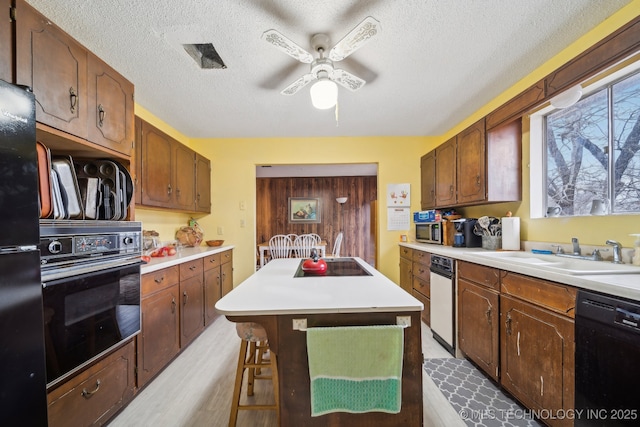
x,y
166,172
446,173
474,167
54,65
110,103
203,184
184,177
6,52
76,92
470,167
428,181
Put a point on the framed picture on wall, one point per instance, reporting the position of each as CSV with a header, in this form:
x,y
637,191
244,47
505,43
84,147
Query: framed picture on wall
x,y
304,210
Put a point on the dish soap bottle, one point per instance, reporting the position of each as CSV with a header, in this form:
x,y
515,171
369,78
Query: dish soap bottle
x,y
635,260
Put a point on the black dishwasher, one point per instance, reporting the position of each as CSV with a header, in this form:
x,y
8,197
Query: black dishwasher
x,y
607,361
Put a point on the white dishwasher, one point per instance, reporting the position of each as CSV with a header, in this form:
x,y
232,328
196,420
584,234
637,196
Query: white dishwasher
x,y
443,301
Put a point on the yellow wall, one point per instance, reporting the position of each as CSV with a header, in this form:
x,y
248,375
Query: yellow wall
x,y
234,160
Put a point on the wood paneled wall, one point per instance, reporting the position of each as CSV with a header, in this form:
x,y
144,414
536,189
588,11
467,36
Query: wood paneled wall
x,y
354,217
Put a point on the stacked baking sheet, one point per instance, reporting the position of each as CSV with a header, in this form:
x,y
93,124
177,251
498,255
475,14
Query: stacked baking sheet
x,y
86,189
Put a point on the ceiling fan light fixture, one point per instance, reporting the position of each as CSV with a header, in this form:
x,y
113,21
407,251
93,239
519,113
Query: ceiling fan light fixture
x,y
324,94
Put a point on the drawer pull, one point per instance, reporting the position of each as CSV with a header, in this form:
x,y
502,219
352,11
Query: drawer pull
x,y
100,115
212,261
193,267
159,279
87,394
73,99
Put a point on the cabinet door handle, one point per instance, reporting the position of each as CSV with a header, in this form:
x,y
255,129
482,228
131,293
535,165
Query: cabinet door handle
x,y
185,298
488,314
73,99
478,180
198,197
508,324
173,305
451,190
169,189
87,394
100,115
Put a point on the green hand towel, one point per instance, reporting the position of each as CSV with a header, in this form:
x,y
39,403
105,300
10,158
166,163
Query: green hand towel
x,y
355,369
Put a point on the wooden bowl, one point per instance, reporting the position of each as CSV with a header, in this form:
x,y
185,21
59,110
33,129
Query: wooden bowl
x,y
214,242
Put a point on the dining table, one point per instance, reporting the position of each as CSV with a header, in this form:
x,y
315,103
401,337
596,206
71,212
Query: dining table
x,y
264,247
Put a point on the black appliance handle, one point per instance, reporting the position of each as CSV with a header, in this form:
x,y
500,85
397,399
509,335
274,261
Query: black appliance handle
x,y
441,272
88,271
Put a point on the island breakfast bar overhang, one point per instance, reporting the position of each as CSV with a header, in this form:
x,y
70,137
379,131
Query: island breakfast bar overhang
x,y
273,297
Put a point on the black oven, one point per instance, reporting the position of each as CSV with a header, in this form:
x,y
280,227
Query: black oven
x,y
91,291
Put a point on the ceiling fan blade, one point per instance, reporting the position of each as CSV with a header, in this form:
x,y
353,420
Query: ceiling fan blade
x,y
287,46
348,80
358,37
298,84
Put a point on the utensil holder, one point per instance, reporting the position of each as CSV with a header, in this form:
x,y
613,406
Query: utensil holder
x,y
492,243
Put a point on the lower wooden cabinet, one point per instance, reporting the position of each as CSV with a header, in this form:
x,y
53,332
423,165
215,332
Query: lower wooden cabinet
x,y
406,264
520,331
478,325
159,339
96,394
192,301
226,270
177,304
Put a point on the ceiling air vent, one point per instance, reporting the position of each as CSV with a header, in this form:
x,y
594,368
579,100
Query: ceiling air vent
x,y
205,55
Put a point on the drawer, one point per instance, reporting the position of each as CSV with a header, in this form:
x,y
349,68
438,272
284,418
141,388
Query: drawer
x,y
556,297
212,261
191,269
95,395
226,256
480,274
422,257
158,280
422,286
406,252
422,271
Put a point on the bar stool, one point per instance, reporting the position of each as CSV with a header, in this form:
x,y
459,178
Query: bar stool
x,y
254,348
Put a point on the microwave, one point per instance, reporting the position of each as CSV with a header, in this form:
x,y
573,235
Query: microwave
x,y
429,232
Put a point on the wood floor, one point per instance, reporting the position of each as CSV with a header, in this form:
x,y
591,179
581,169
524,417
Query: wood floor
x,y
195,389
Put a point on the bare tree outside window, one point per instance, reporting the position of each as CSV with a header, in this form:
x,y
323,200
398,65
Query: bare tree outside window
x,y
579,143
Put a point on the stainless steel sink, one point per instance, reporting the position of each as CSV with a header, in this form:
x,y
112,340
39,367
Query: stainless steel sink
x,y
574,267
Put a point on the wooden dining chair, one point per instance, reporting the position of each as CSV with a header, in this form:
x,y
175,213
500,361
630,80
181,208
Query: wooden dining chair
x,y
280,246
336,246
304,244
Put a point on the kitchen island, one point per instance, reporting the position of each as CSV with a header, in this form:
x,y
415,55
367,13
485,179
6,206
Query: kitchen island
x,y
274,297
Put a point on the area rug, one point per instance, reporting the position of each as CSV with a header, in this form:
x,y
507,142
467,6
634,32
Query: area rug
x,y
477,400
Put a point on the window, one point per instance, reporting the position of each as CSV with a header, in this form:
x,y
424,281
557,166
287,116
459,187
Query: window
x,y
589,155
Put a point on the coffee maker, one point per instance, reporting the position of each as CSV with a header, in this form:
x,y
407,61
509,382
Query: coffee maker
x,y
464,236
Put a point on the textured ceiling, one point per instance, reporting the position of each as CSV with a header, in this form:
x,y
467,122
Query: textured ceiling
x,y
434,63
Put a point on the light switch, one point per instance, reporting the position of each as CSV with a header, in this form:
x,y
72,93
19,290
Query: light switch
x,y
243,205
220,231
242,223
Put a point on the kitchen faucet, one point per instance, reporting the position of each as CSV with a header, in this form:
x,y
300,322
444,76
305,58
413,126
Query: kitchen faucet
x,y
576,246
617,251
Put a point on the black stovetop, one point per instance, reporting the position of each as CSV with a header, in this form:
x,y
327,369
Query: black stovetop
x,y
336,267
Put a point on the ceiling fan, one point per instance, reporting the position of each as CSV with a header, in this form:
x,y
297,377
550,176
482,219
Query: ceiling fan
x,y
324,92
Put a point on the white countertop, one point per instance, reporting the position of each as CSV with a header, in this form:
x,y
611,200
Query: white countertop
x,y
622,285
186,254
274,290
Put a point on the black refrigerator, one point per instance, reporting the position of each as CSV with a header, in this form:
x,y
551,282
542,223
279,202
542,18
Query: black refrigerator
x,y
23,388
